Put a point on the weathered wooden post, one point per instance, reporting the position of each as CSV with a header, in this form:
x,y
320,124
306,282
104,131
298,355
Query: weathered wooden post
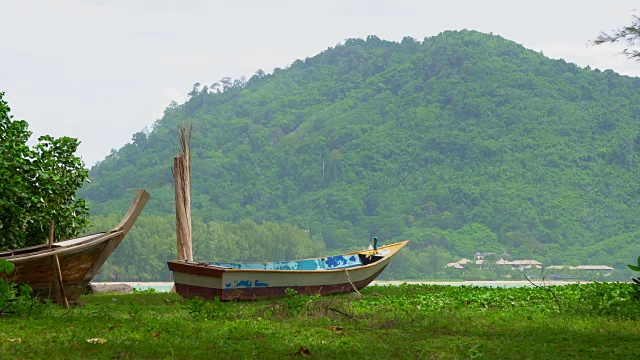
x,y
58,287
182,178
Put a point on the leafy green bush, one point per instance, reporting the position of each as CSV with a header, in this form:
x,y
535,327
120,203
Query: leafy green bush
x,y
38,185
14,299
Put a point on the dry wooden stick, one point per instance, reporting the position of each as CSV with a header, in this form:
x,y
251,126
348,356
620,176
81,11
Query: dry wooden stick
x,y
182,178
57,274
546,289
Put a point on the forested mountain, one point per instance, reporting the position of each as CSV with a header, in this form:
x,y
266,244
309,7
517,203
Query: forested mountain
x,y
464,142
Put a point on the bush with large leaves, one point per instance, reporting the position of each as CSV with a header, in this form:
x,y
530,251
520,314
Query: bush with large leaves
x,y
37,185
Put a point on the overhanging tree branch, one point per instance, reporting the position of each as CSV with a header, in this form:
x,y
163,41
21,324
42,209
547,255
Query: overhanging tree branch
x,y
629,34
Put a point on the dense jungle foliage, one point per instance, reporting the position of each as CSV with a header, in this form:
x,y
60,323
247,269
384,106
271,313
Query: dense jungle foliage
x,y
464,142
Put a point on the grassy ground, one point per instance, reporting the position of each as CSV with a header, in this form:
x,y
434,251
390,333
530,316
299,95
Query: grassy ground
x,y
597,321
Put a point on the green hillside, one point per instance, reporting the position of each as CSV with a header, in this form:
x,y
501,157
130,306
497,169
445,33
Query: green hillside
x,y
463,143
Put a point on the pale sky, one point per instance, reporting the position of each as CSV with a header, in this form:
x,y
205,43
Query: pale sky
x,y
101,71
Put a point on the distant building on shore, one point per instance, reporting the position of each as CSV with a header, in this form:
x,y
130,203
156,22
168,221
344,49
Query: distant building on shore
x,y
528,264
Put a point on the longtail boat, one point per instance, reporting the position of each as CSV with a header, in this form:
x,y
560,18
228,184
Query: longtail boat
x,y
255,280
79,259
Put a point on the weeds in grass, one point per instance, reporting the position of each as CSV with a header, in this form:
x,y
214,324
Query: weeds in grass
x,y
145,291
313,306
294,301
135,310
474,352
545,288
16,299
308,306
200,309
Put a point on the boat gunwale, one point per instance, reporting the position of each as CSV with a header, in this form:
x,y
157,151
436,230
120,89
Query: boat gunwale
x,y
44,248
137,205
61,250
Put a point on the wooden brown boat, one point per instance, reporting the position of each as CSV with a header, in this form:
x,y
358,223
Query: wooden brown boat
x,y
80,259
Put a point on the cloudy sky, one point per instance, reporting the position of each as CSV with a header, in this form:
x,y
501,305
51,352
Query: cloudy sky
x,y
102,70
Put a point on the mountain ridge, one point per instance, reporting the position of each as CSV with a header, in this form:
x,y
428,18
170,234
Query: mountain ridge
x,y
462,141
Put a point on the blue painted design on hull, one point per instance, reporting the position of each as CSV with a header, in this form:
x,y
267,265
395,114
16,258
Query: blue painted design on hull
x,y
244,283
328,263
331,262
342,261
247,284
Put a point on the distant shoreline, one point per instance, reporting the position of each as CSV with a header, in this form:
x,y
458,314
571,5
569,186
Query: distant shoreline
x,y
477,282
391,283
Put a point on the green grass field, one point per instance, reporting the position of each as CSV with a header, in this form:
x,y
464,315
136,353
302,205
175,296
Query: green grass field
x,y
589,321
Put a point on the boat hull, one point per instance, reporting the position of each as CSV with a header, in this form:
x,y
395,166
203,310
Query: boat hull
x,y
207,292
208,282
75,264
